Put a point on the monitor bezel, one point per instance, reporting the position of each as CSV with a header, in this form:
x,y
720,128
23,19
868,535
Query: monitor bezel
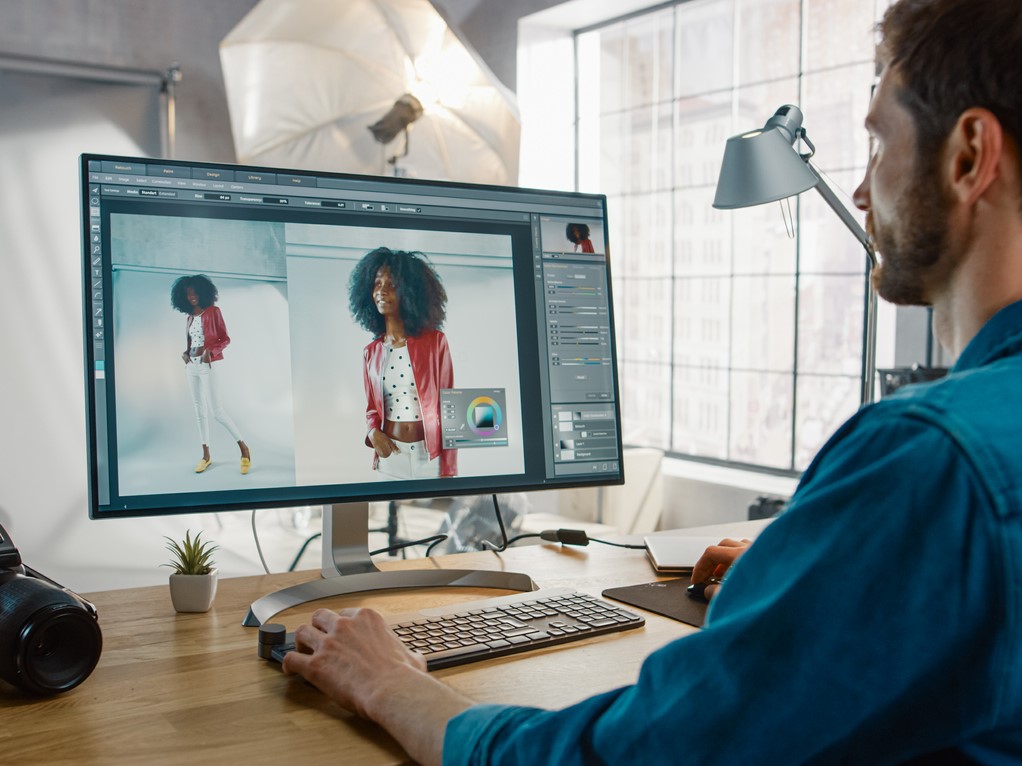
x,y
313,495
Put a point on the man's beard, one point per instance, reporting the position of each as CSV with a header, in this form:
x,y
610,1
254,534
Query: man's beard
x,y
914,251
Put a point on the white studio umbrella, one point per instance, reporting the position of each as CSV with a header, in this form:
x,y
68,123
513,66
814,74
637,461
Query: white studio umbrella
x,y
306,79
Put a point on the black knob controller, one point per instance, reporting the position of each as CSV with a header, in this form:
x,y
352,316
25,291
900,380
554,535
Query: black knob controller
x,y
271,635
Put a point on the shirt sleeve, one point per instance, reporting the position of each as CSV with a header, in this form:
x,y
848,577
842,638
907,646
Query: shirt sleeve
x,y
863,621
445,367
372,384
217,339
445,377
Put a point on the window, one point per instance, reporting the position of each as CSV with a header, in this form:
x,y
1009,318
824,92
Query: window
x,y
737,342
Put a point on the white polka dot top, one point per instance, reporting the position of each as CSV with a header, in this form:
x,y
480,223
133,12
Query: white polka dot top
x,y
196,334
400,399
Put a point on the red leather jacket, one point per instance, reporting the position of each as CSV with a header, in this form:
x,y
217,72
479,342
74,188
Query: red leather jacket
x,y
432,370
214,330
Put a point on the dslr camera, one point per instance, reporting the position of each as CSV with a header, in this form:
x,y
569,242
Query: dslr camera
x,y
49,637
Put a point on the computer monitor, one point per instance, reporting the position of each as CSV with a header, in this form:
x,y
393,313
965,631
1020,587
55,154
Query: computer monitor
x,y
244,311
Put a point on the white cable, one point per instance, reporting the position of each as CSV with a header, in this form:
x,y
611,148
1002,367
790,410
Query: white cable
x,y
259,550
789,222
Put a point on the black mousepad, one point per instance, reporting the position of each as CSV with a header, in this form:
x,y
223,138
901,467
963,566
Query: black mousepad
x,y
666,597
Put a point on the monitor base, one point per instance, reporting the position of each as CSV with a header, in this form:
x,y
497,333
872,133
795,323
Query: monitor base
x,y
267,606
347,568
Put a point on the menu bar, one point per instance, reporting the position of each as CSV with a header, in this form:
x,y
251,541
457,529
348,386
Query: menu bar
x,y
329,190
261,197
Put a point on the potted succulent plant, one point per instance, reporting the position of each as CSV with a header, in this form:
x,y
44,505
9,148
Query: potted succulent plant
x,y
193,583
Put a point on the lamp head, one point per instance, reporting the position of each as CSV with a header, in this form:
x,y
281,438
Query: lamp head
x,y
763,165
788,120
405,111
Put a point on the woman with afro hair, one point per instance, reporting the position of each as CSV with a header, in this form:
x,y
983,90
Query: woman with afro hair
x,y
205,341
398,297
578,235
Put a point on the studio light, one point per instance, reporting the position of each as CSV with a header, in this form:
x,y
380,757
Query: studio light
x,y
405,111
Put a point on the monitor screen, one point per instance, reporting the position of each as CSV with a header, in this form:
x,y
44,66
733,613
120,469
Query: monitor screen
x,y
257,337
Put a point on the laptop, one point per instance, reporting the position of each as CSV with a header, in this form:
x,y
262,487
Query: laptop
x,y
670,554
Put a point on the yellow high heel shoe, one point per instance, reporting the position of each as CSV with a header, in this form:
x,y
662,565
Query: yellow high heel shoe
x,y
203,465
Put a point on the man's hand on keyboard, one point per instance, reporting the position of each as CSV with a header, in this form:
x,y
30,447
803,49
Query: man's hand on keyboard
x,y
345,655
355,659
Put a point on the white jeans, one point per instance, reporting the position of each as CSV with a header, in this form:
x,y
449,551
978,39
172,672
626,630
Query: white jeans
x,y
202,379
412,462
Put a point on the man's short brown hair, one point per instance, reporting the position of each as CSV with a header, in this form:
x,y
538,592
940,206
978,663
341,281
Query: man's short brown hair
x,y
953,55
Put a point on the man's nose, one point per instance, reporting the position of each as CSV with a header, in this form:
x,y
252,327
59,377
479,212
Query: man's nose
x,y
861,194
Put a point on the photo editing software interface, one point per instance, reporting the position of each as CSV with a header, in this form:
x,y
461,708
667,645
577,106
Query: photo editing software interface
x,y
257,337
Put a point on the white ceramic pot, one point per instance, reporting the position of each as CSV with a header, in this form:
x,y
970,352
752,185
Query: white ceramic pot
x,y
193,593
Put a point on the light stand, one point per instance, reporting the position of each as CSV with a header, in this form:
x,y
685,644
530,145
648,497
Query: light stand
x,y
763,166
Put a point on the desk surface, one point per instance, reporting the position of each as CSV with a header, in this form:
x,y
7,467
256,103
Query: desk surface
x,y
180,688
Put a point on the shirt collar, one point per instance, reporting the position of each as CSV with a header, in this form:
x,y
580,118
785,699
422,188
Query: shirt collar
x,y
1000,336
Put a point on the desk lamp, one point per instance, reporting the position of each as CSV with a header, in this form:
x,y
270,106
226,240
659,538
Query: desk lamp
x,y
764,166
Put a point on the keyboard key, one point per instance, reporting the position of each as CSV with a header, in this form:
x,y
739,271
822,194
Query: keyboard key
x,y
525,629
461,651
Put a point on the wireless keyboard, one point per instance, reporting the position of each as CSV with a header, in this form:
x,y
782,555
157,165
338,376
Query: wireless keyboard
x,y
496,627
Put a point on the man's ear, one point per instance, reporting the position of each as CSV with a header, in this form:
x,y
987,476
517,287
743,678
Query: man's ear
x,y
973,154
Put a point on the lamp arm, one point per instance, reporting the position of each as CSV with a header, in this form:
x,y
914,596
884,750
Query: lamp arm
x,y
869,330
844,214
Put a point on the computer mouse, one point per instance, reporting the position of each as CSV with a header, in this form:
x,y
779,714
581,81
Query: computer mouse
x,y
697,591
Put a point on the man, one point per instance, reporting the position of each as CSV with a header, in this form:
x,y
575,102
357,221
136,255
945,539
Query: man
x,y
879,620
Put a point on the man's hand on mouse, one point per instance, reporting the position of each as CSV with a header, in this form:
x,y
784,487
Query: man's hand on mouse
x,y
715,561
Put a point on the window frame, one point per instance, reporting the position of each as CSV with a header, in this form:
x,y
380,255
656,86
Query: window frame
x,y
798,372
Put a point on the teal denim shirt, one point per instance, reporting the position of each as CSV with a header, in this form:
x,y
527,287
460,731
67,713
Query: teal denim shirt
x,y
877,621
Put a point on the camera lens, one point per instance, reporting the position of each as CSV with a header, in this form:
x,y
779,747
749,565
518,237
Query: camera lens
x,y
49,643
60,648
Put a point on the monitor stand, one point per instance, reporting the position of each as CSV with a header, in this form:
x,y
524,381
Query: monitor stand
x,y
348,568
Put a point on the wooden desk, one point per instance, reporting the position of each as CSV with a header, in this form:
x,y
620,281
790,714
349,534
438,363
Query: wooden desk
x,y
190,688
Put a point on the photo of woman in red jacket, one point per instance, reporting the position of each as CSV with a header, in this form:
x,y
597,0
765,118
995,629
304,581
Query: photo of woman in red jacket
x,y
205,340
399,298
578,235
